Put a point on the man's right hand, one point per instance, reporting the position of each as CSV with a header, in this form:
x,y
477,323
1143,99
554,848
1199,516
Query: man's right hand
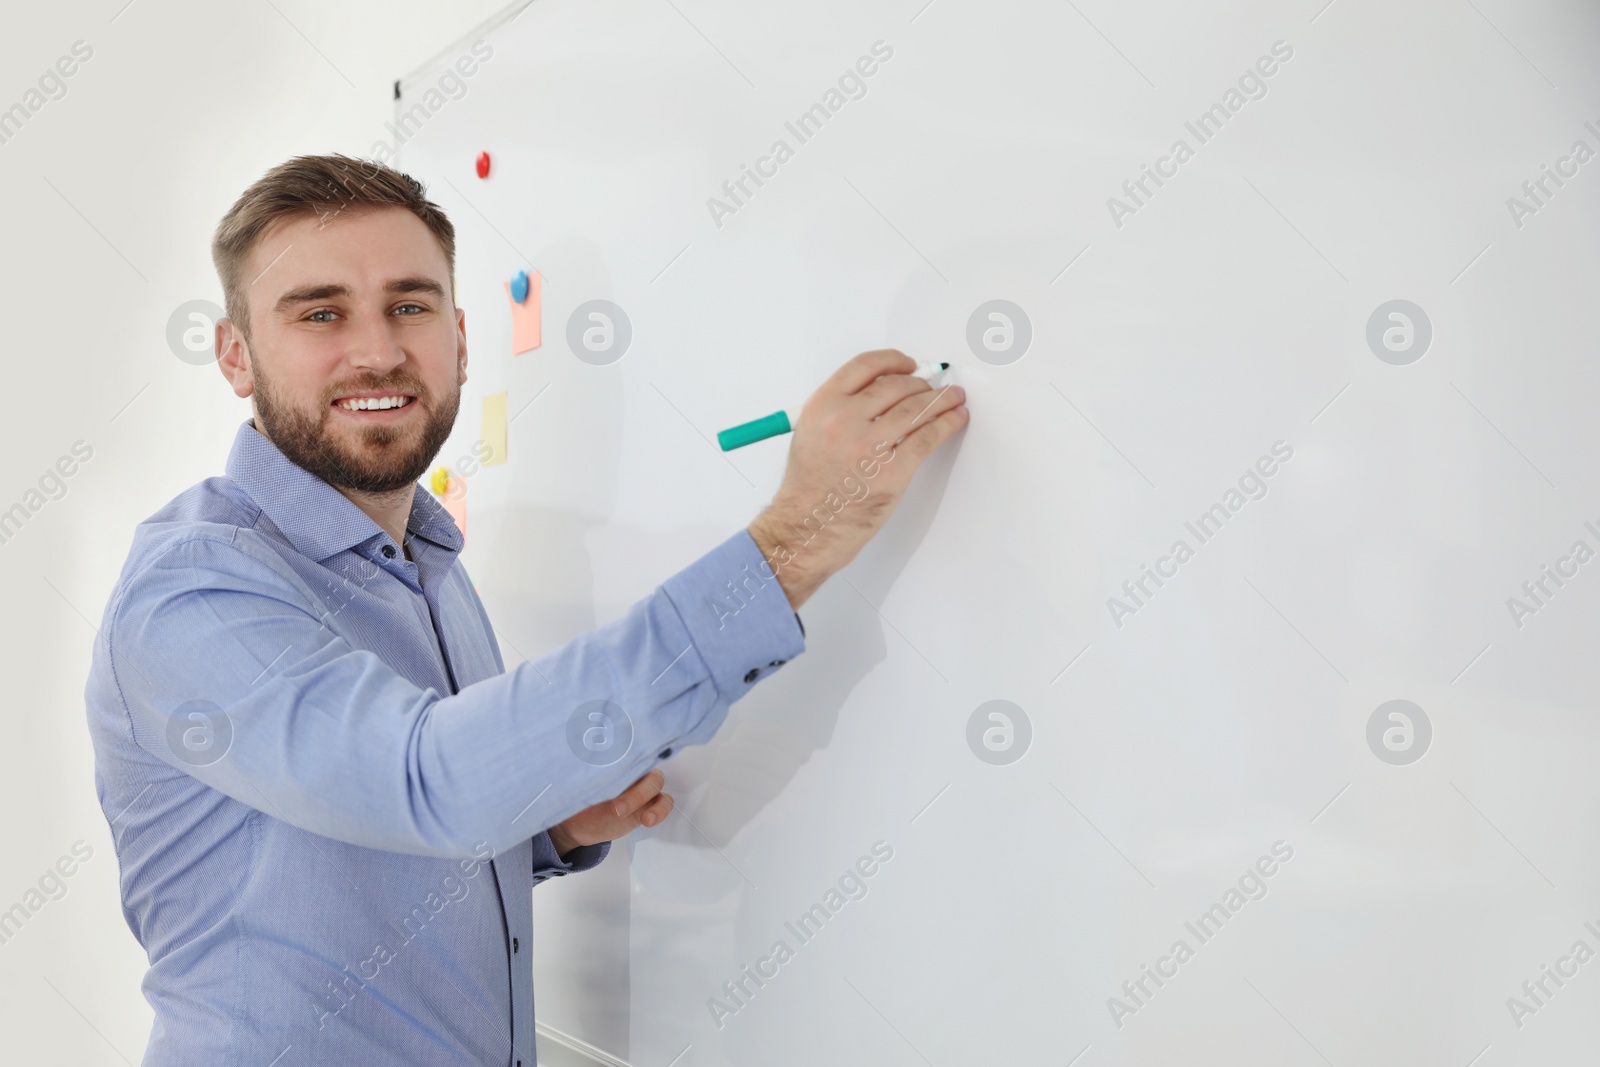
x,y
848,465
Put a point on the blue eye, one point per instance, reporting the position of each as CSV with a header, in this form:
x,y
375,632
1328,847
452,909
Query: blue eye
x,y
419,307
314,314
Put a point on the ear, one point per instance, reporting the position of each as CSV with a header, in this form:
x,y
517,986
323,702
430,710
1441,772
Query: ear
x,y
233,358
461,346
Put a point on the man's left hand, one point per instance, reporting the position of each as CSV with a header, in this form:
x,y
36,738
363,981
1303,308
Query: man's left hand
x,y
641,804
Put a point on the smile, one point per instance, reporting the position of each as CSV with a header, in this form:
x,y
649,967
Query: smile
x,y
374,403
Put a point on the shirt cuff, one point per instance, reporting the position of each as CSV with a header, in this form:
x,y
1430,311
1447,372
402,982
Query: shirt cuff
x,y
738,616
548,864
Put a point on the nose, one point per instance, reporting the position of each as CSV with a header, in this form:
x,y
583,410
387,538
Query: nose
x,y
374,344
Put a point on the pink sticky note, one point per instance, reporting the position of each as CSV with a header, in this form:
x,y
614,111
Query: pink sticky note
x,y
525,317
455,503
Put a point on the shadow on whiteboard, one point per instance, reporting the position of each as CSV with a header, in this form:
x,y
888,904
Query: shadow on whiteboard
x,y
723,787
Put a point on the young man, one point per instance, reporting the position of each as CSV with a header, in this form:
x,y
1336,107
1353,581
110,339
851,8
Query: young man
x,y
329,799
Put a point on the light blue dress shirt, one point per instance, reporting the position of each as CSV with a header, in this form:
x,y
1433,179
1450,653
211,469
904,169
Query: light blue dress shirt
x,y
329,798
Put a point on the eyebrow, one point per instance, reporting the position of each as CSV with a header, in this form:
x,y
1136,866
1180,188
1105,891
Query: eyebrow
x,y
311,293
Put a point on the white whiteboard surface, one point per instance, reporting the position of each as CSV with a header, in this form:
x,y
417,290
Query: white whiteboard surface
x,y
1172,347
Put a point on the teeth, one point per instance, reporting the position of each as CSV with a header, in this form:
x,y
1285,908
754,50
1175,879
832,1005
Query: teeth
x,y
374,404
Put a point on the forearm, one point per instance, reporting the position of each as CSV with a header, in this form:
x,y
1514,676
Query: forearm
x,y
798,565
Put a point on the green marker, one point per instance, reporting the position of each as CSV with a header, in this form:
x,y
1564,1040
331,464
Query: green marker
x,y
748,433
758,430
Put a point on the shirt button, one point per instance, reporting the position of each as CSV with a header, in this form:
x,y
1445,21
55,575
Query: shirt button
x,y
388,550
664,753
752,674
777,663
515,945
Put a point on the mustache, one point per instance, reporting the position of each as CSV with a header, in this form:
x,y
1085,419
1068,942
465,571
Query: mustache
x,y
407,386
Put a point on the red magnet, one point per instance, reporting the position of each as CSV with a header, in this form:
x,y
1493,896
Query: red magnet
x,y
483,164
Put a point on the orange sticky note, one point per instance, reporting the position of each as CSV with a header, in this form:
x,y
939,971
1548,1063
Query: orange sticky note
x,y
455,502
525,317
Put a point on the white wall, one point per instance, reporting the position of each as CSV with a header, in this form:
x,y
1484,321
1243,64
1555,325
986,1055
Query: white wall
x,y
111,194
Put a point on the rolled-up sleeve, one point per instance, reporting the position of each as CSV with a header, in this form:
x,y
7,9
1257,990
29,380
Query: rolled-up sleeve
x,y
216,639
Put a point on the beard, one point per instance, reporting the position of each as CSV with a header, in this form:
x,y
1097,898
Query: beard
x,y
386,458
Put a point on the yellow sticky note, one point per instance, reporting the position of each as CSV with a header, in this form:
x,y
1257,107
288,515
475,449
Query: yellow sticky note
x,y
494,429
525,316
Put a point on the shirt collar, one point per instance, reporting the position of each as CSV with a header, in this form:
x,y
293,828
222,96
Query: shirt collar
x,y
317,519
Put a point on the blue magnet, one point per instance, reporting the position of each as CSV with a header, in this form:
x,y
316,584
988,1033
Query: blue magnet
x,y
519,286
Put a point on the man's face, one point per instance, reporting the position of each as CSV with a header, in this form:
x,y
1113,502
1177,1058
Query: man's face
x,y
350,310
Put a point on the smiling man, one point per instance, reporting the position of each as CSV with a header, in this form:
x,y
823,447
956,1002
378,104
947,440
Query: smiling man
x,y
330,799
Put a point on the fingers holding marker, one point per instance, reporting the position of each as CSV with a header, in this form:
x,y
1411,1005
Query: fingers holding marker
x,y
870,386
923,408
859,372
887,391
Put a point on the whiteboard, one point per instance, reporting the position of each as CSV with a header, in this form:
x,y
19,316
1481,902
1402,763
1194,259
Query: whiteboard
x,y
1324,749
